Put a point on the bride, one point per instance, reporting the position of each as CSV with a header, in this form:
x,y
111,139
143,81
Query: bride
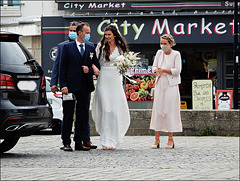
x,y
109,108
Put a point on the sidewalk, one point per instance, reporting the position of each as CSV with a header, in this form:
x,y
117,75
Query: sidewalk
x,y
195,158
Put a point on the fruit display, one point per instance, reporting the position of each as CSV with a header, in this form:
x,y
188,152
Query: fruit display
x,y
139,89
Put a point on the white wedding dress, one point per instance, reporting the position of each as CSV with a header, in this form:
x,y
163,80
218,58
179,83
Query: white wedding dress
x,y
110,110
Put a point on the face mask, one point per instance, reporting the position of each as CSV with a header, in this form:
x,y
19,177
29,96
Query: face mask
x,y
165,48
86,38
72,35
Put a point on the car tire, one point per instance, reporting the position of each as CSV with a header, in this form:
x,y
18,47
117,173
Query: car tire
x,y
56,126
8,143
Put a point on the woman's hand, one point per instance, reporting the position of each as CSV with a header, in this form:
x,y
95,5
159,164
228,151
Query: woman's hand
x,y
95,70
158,72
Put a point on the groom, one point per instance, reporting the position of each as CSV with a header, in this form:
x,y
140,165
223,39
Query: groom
x,y
76,77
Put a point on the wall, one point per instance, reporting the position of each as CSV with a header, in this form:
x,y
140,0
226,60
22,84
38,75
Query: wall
x,y
28,11
26,20
220,123
33,43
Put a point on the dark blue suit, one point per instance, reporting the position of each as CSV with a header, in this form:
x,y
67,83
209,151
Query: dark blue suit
x,y
81,85
55,70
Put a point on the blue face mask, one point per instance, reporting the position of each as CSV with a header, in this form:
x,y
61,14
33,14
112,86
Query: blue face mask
x,y
86,38
72,35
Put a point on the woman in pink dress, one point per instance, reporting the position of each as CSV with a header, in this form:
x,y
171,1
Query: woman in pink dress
x,y
166,107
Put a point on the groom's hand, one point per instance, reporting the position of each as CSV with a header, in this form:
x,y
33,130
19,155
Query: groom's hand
x,y
65,90
54,88
85,69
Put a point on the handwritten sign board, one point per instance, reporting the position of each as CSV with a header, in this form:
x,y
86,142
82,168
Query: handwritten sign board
x,y
202,94
224,99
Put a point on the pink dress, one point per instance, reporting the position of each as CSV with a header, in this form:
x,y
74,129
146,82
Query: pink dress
x,y
166,107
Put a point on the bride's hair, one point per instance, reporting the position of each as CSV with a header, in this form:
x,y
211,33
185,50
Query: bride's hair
x,y
120,42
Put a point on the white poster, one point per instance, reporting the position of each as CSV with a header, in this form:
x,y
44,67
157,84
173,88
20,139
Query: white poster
x,y
202,96
224,99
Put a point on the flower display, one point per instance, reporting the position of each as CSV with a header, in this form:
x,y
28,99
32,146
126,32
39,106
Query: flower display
x,y
125,61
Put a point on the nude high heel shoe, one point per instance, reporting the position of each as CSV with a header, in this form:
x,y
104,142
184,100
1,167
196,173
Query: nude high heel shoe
x,y
170,146
156,146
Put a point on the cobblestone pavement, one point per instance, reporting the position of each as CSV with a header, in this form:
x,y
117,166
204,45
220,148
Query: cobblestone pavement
x,y
38,157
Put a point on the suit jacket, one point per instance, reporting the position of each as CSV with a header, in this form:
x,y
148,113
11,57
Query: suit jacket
x,y
71,71
55,70
174,63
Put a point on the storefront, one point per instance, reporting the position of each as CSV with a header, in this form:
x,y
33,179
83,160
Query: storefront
x,y
204,38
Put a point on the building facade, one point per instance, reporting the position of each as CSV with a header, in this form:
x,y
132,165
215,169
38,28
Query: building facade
x,y
203,31
24,17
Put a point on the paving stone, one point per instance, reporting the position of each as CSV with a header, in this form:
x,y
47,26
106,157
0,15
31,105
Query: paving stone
x,y
38,157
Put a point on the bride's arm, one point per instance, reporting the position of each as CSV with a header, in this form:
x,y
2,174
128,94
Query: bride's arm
x,y
95,70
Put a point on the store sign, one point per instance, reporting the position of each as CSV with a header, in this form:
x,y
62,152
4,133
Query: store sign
x,y
93,6
161,26
199,29
141,30
202,94
230,4
140,87
140,71
147,5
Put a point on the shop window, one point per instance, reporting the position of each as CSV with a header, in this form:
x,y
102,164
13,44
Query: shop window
x,y
10,2
196,65
10,8
229,69
229,57
229,83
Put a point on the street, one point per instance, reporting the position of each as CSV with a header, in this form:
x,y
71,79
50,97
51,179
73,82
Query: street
x,y
38,157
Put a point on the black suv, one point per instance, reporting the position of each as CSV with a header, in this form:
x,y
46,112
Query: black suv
x,y
24,108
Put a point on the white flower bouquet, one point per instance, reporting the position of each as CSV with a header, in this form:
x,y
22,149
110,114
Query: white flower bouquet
x,y
125,61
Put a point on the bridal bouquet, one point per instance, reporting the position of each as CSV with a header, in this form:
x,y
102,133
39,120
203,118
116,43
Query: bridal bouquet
x,y
125,61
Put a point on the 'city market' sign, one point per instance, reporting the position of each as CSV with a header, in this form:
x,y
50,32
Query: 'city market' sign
x,y
93,6
144,30
135,5
161,26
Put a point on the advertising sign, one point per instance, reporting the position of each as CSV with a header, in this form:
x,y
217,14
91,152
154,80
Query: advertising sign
x,y
224,99
76,5
54,32
202,97
140,87
141,30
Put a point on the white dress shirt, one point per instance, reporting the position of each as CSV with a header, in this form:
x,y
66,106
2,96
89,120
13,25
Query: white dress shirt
x,y
78,46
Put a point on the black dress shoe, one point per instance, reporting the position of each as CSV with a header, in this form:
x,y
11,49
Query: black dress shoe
x,y
66,147
81,147
90,145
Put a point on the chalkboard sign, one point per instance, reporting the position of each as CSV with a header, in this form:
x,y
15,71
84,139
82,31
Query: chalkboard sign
x,y
224,99
202,94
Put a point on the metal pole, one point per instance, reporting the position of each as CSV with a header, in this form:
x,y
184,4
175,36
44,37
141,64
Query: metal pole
x,y
236,55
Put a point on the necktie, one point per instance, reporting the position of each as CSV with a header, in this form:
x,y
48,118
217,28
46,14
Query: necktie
x,y
81,49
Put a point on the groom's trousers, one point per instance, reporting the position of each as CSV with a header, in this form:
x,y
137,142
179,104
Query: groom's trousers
x,y
82,127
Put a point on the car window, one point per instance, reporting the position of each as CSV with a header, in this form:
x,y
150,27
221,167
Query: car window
x,y
48,88
12,53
